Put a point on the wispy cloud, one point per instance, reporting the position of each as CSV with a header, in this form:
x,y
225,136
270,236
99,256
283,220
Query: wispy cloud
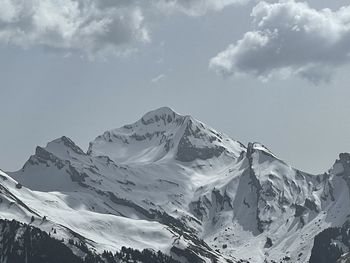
x,y
158,78
196,7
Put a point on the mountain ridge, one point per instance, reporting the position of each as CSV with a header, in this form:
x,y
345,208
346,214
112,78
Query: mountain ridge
x,y
185,188
167,128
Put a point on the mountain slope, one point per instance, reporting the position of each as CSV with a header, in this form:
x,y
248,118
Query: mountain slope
x,y
169,182
24,243
162,134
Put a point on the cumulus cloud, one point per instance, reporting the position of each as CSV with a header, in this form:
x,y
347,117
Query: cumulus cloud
x,y
88,26
73,25
289,38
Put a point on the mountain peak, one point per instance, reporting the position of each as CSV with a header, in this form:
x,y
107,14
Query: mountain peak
x,y
164,114
181,175
57,145
55,151
255,146
160,112
163,133
341,165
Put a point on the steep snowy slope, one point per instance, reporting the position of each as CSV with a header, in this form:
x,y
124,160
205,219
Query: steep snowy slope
x,y
267,211
169,182
162,134
333,244
25,243
66,216
158,191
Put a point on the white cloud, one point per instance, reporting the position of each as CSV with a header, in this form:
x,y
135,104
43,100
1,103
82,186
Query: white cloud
x,y
289,38
89,26
195,7
70,25
158,78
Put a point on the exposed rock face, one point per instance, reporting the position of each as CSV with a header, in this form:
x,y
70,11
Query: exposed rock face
x,y
188,151
331,244
341,167
163,133
172,183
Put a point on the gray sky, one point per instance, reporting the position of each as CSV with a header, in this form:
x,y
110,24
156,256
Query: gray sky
x,y
82,85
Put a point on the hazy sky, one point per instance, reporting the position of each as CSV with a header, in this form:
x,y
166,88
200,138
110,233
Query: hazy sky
x,y
276,72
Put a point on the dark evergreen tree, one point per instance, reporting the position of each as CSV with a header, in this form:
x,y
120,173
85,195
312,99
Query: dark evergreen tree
x,y
23,243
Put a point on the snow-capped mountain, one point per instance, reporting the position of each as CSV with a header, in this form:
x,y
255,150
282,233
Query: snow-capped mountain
x,y
160,135
171,183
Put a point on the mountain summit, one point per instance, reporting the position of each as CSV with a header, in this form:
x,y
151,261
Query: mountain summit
x,y
162,134
171,183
